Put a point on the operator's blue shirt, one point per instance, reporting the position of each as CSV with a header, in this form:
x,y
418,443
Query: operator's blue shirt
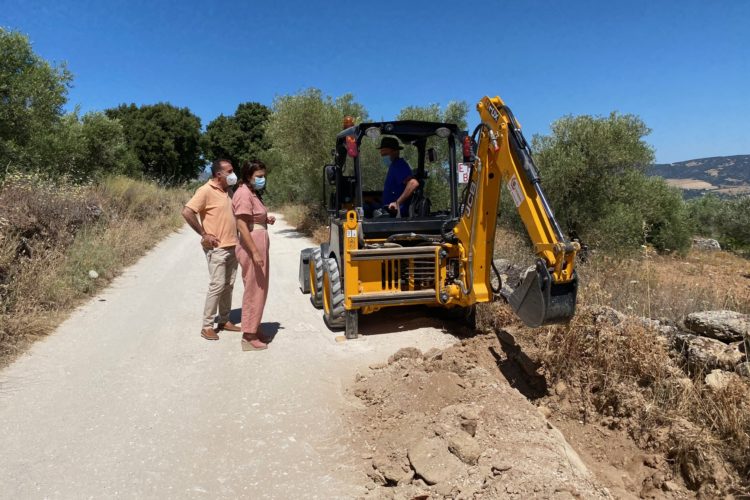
x,y
395,182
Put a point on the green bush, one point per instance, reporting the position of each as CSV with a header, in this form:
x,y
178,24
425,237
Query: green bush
x,y
239,137
726,219
164,138
593,172
32,94
302,131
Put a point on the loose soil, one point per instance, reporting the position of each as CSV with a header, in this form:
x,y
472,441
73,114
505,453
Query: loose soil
x,y
484,439
464,402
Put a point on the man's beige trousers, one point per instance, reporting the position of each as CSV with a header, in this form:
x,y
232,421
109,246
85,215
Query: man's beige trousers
x,y
222,268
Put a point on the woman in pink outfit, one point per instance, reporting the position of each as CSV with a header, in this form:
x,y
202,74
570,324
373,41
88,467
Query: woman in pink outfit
x,y
252,252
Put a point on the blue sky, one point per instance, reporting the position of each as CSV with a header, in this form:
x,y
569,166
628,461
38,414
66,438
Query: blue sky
x,y
683,66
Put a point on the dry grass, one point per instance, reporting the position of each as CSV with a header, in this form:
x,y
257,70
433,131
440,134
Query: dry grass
x,y
651,285
626,375
306,221
52,235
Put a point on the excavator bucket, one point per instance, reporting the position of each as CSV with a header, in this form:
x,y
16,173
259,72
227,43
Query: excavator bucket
x,y
538,301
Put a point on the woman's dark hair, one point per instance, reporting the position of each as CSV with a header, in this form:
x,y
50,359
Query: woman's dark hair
x,y
247,171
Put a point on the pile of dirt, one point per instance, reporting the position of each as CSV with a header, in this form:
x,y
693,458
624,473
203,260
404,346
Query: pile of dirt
x,y
446,424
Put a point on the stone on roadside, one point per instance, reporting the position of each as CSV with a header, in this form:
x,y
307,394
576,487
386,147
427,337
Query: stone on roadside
x,y
405,353
93,274
433,462
709,244
465,447
705,353
433,354
718,380
469,421
545,411
499,466
609,316
561,388
393,465
743,369
727,326
670,486
376,476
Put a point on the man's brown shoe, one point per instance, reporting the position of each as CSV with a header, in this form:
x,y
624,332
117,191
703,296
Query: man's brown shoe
x,y
209,334
228,326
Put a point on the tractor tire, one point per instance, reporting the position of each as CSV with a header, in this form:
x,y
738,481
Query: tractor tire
x,y
304,270
333,296
465,316
316,278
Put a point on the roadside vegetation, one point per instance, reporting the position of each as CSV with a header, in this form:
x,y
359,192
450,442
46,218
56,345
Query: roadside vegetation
x,y
622,372
60,242
79,199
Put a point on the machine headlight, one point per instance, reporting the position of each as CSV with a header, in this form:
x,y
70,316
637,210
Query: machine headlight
x,y
443,132
373,132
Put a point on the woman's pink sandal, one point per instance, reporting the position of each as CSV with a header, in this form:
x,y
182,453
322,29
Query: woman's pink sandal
x,y
253,345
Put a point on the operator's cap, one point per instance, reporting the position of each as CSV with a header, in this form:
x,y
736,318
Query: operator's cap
x,y
390,142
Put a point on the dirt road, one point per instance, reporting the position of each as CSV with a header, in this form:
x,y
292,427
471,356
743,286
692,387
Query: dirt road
x,y
126,399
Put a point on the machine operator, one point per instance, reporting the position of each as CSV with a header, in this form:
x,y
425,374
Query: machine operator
x,y
399,181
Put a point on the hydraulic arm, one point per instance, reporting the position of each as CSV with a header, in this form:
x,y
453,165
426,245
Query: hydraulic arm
x,y
546,292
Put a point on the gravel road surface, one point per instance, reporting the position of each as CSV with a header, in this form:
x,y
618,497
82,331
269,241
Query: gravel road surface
x,y
126,399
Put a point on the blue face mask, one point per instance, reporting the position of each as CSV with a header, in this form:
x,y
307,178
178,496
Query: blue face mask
x,y
260,182
386,160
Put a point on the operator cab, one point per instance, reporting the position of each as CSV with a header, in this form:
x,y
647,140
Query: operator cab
x,y
355,179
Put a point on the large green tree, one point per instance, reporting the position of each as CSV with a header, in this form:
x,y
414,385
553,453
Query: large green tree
x,y
302,131
239,137
165,139
32,95
593,172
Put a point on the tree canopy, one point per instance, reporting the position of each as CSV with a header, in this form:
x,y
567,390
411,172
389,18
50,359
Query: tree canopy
x,y
302,131
593,172
32,95
164,138
239,137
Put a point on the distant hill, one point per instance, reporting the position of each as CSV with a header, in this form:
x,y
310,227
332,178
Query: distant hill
x,y
723,175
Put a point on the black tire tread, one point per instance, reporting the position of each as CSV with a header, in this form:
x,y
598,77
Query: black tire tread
x,y
334,317
316,288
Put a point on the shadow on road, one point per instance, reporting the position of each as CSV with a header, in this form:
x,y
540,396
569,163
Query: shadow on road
x,y
404,319
269,329
290,233
235,316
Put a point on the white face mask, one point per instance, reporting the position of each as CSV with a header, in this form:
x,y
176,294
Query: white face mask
x,y
231,179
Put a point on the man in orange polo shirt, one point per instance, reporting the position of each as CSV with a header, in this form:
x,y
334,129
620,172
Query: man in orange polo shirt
x,y
218,232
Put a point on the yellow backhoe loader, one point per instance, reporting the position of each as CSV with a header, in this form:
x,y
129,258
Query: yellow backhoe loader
x,y
440,254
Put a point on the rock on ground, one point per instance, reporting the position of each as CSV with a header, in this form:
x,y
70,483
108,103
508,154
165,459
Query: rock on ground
x,y
706,244
465,447
727,326
706,353
433,462
718,380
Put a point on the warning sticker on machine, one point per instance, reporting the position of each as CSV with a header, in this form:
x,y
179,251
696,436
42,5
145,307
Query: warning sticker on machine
x,y
463,173
515,191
